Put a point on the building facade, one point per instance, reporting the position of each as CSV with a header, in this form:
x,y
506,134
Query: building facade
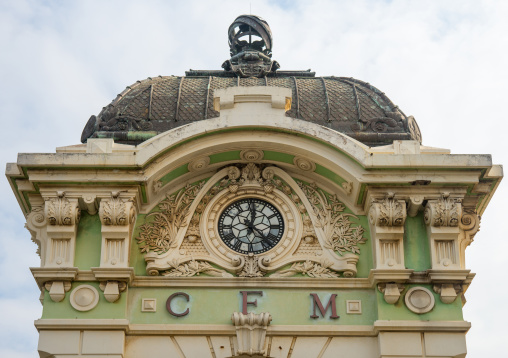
x,y
252,212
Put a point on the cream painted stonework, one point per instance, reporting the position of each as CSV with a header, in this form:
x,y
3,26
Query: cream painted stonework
x,y
351,214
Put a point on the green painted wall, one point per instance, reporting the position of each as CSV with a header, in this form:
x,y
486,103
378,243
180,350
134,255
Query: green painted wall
x,y
88,242
327,173
365,264
136,257
172,175
416,244
215,306
225,157
278,156
103,310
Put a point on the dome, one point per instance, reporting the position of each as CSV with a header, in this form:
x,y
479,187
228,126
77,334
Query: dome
x,y
347,105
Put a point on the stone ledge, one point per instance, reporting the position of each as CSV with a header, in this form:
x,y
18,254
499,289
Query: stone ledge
x,y
409,326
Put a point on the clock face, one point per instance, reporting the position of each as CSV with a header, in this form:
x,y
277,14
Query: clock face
x,y
251,226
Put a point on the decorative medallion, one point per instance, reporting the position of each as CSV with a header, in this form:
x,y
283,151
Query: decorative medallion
x,y
419,300
84,298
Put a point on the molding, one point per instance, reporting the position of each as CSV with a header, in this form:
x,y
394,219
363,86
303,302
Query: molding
x,y
82,324
388,275
425,326
273,330
44,274
266,282
113,274
448,276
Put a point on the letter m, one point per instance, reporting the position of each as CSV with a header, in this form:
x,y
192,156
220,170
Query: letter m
x,y
317,304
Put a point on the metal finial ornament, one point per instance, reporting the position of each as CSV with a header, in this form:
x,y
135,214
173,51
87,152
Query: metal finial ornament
x,y
250,43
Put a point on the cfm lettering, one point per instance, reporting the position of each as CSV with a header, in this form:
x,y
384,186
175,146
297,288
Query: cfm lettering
x,y
317,305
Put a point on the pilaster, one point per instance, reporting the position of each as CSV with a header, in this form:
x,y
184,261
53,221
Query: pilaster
x,y
386,218
117,214
442,218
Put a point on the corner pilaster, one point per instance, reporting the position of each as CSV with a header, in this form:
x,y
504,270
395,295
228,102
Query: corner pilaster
x,y
53,225
386,218
442,217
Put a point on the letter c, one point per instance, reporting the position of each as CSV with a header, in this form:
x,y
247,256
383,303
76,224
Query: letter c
x,y
168,304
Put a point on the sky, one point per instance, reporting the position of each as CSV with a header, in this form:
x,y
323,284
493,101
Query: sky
x,y
444,62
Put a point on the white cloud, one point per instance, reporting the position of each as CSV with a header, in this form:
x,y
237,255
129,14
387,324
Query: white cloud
x,y
443,62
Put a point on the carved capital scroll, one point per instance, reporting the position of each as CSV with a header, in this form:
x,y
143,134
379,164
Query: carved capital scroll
x,y
387,217
443,212
388,212
116,211
60,211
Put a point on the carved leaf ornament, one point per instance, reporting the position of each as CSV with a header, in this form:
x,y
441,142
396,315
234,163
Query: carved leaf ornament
x,y
159,235
308,268
340,234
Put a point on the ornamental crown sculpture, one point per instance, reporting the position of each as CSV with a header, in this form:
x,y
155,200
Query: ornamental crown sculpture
x,y
250,43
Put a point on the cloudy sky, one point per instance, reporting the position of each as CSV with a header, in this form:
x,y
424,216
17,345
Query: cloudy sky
x,y
444,62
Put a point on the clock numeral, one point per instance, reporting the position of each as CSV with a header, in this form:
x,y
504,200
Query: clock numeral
x,y
274,227
265,244
230,237
237,245
271,237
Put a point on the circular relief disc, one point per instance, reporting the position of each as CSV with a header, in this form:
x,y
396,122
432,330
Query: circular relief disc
x,y
84,298
419,300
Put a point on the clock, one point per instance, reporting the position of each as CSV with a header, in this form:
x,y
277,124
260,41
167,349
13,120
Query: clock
x,y
251,225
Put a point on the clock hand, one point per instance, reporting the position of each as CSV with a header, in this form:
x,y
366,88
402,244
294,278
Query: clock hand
x,y
252,212
260,233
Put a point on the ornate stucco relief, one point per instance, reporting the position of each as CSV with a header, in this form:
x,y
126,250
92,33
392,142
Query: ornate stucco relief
x,y
180,237
53,225
386,217
117,214
449,232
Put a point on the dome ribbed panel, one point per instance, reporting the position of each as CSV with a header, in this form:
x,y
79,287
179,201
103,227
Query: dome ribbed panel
x,y
252,81
342,101
136,103
312,100
192,99
369,108
164,97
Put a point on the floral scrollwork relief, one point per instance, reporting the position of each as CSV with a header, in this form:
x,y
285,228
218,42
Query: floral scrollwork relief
x,y
388,212
310,269
443,212
251,267
340,234
60,211
194,268
159,235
